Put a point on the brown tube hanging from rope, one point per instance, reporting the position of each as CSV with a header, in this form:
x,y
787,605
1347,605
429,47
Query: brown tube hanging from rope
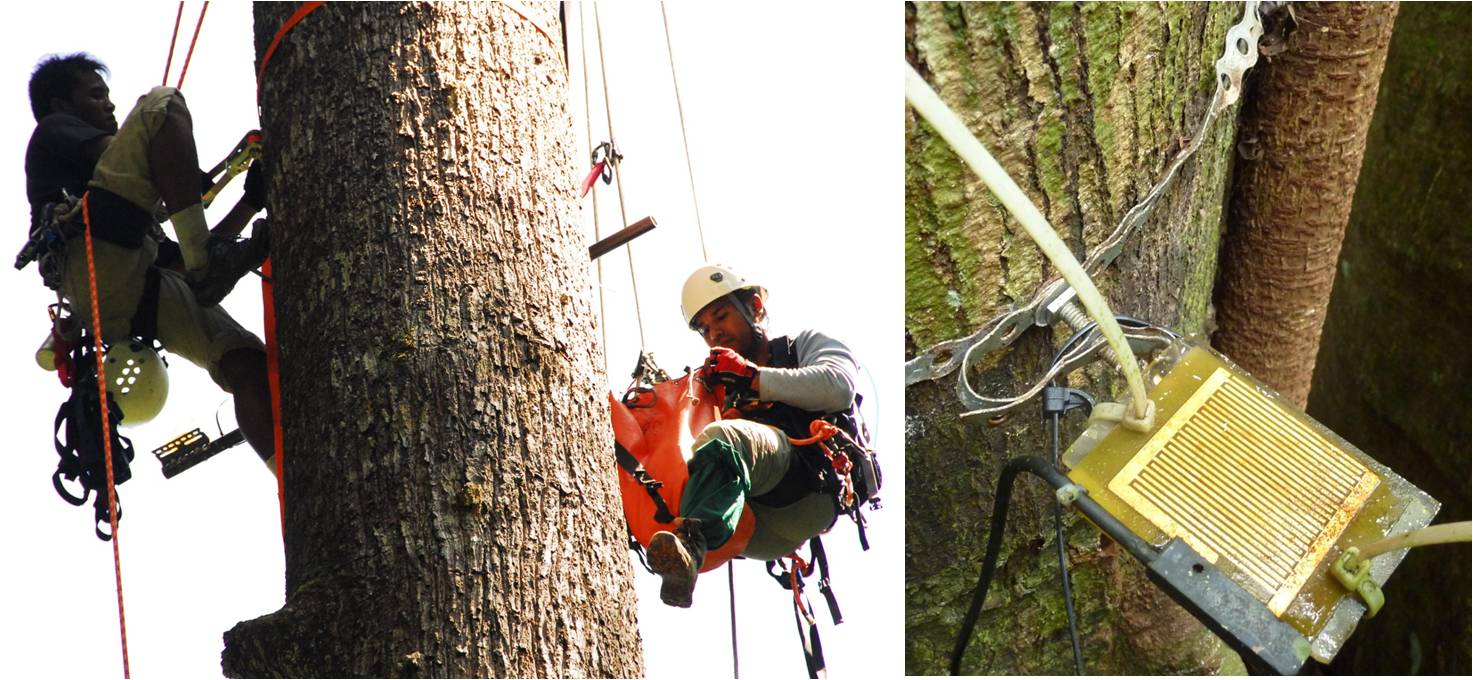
x,y
1300,145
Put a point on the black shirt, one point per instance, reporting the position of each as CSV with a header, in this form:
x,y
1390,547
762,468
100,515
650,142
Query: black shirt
x,y
56,159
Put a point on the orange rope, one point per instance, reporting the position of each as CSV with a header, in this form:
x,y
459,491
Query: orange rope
x,y
268,299
185,68
822,430
273,378
806,570
107,439
169,63
296,17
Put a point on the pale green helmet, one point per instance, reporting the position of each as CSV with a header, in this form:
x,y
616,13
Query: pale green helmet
x,y
138,379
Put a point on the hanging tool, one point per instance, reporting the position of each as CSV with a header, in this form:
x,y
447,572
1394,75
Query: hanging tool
x,y
603,158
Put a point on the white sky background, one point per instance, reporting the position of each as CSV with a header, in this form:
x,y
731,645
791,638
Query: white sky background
x,y
794,119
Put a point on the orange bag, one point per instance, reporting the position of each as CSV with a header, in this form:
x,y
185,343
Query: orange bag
x,y
649,426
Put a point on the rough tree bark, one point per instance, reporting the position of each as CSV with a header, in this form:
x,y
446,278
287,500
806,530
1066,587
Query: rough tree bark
x,y
1393,374
450,509
1303,135
1084,105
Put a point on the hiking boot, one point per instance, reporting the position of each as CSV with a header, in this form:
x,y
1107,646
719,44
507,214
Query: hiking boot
x,y
677,557
230,259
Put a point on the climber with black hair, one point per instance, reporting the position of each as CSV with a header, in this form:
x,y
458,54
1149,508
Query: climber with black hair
x,y
129,174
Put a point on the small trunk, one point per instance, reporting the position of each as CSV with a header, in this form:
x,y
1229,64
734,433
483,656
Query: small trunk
x,y
1303,135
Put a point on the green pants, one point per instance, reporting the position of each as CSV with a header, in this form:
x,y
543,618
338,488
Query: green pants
x,y
735,460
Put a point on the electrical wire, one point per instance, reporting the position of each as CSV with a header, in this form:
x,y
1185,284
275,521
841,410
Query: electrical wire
x,y
1069,614
1453,532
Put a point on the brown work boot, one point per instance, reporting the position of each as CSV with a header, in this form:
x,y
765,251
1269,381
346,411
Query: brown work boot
x,y
677,556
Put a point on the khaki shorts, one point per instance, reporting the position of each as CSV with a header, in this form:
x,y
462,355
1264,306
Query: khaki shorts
x,y
768,453
123,168
200,334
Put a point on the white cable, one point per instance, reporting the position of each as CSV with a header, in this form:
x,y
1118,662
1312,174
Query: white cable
x,y
951,128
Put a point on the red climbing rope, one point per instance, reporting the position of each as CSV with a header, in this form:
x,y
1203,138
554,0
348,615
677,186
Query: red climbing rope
x,y
188,55
268,302
107,439
296,17
169,63
273,378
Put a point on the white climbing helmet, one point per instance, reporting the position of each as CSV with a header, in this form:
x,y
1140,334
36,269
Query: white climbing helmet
x,y
138,379
710,283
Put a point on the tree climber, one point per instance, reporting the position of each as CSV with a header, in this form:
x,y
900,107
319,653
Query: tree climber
x,y
128,172
750,459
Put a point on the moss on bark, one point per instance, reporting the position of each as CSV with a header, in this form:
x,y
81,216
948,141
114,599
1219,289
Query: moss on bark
x,y
1084,105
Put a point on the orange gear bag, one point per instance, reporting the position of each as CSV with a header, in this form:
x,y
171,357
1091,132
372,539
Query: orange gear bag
x,y
655,426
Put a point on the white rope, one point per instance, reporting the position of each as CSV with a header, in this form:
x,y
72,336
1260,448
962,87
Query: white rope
x,y
685,143
618,181
603,317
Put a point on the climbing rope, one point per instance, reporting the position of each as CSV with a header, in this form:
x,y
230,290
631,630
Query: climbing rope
x,y
107,440
618,179
174,39
268,300
169,62
190,54
736,670
603,326
684,142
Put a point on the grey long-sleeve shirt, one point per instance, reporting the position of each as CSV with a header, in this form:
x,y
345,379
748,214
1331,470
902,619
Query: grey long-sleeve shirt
x,y
824,380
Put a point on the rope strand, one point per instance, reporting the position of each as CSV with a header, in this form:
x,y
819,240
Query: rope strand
x,y
618,179
107,439
731,589
189,55
684,142
603,316
169,63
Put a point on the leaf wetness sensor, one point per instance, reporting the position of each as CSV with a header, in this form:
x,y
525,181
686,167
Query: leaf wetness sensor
x,y
1255,486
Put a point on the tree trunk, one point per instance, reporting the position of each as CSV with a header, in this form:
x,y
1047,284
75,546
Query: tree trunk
x,y
1084,105
450,506
1393,374
1304,133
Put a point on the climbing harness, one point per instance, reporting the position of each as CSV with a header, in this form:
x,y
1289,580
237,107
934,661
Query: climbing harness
x,y
831,451
790,576
79,443
1052,299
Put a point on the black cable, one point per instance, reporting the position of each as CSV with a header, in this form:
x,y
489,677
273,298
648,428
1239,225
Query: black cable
x,y
1133,544
989,559
1063,563
1138,548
